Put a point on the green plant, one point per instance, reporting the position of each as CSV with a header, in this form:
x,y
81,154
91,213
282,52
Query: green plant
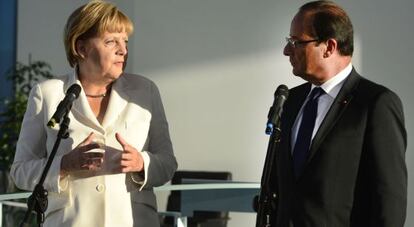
x,y
23,77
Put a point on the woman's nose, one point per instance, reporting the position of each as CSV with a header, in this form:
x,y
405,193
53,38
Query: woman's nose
x,y
122,49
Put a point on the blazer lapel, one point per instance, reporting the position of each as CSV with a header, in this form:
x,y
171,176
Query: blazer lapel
x,y
83,112
80,107
117,102
340,103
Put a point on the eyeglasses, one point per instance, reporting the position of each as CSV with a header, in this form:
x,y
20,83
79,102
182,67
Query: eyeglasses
x,y
294,43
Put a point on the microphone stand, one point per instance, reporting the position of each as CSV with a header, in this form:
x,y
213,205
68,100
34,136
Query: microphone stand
x,y
38,200
265,203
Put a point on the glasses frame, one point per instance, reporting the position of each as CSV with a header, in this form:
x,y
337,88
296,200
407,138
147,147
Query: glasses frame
x,y
294,43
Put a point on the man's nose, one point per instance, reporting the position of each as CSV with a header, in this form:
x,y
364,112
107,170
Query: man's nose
x,y
287,50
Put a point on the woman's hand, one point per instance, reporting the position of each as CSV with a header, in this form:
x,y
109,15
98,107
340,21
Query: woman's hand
x,y
80,159
131,159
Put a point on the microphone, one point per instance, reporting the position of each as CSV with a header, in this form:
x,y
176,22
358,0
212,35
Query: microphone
x,y
275,112
64,106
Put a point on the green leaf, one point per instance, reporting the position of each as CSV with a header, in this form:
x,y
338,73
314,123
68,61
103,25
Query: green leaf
x,y
23,77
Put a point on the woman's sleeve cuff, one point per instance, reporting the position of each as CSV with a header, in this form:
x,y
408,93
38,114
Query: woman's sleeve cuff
x,y
140,178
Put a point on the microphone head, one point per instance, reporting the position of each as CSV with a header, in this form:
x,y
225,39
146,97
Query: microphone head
x,y
75,90
275,112
64,106
282,90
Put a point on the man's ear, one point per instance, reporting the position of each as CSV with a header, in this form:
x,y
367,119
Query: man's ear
x,y
81,48
331,47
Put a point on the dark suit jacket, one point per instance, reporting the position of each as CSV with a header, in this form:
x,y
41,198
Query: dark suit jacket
x,y
356,174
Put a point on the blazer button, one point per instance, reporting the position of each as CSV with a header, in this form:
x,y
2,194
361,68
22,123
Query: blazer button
x,y
100,187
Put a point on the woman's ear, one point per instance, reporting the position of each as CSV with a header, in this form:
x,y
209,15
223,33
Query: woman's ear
x,y
81,48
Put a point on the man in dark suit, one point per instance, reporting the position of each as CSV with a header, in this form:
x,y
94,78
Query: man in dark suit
x,y
341,158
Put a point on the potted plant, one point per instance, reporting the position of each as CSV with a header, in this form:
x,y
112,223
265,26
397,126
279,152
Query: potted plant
x,y
23,77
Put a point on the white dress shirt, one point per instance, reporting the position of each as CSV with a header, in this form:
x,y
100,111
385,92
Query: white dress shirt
x,y
331,89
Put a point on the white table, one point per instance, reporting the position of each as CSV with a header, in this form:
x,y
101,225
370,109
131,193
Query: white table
x,y
223,196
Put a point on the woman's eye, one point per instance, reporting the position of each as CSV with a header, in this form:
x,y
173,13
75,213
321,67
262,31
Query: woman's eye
x,y
110,42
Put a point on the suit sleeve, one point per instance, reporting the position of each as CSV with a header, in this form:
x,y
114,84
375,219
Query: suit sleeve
x,y
162,163
386,145
31,152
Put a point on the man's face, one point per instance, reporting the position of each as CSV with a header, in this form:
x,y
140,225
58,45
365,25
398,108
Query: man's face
x,y
305,57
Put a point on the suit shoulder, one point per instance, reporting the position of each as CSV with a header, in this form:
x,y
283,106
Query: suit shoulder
x,y
137,79
371,86
137,84
55,81
371,91
53,85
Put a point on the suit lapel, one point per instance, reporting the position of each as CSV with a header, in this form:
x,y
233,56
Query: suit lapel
x,y
339,105
83,112
80,107
117,102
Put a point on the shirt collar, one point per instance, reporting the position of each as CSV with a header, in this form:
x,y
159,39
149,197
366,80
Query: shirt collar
x,y
333,85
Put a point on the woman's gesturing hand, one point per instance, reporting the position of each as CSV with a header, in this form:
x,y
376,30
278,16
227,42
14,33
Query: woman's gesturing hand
x,y
80,159
131,159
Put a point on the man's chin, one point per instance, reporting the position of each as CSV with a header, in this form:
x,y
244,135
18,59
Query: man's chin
x,y
299,74
296,72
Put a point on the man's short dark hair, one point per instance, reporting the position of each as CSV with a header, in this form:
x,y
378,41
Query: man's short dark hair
x,y
330,21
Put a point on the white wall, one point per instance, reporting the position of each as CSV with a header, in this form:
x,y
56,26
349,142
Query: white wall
x,y
218,62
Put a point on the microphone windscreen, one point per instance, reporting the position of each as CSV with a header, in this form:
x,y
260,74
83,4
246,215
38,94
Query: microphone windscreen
x,y
75,89
282,90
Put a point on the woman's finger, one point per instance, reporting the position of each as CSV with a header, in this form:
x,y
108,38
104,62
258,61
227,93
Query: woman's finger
x,y
88,147
121,141
92,155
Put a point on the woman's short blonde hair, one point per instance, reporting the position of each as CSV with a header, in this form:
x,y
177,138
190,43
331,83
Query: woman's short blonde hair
x,y
91,20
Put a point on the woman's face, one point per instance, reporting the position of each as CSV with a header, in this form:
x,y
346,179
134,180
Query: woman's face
x,y
103,56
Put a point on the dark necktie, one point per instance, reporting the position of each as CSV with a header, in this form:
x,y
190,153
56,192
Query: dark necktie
x,y
304,137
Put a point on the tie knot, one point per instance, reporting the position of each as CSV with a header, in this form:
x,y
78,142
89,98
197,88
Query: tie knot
x,y
315,93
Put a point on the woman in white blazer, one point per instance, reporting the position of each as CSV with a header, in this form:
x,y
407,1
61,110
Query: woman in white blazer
x,y
119,146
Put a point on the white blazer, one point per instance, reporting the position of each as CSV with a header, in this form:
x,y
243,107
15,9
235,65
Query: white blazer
x,y
104,198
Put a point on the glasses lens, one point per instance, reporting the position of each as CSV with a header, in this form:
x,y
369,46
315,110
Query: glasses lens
x,y
290,41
